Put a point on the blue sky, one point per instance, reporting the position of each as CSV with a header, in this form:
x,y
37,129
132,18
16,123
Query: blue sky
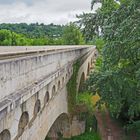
x,y
42,11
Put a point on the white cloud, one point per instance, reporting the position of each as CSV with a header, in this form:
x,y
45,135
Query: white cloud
x,y
42,11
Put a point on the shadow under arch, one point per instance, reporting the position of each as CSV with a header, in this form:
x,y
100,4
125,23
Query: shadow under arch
x,y
82,81
53,90
24,120
37,107
63,81
59,128
5,135
59,84
46,98
88,69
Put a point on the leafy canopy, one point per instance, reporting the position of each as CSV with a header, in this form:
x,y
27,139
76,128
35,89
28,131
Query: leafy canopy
x,y
72,35
118,78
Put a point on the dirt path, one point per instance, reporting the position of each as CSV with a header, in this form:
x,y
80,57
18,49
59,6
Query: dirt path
x,y
108,128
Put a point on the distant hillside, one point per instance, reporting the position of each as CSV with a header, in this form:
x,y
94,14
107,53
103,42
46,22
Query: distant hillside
x,y
35,30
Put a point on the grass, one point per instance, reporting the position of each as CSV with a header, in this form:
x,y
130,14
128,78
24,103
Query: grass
x,y
86,136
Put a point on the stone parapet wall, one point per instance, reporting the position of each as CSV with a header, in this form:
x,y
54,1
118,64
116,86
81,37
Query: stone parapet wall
x,y
20,72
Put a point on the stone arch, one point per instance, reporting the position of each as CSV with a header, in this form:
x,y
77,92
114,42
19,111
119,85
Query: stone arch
x,y
88,69
46,98
5,135
37,107
60,127
82,80
24,119
53,90
59,84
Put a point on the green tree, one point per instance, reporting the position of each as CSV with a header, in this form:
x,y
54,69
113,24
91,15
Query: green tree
x,y
92,24
39,41
117,80
9,38
35,30
89,28
72,35
5,37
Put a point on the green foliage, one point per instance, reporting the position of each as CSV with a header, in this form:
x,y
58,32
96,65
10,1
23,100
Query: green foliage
x,y
72,35
86,99
88,20
32,34
117,74
9,38
99,43
72,89
91,121
134,128
121,64
98,64
39,41
5,37
86,136
35,30
39,34
92,24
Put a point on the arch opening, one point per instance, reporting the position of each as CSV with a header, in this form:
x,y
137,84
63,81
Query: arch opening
x,y
59,85
88,69
46,98
59,128
24,119
53,91
37,107
5,135
63,80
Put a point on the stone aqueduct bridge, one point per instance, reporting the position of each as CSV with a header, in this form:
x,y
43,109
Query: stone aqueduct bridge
x,y
33,92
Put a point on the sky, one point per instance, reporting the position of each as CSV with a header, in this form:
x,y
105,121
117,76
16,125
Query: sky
x,y
42,11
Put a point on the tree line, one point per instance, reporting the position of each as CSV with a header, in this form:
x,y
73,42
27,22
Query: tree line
x,y
35,30
39,34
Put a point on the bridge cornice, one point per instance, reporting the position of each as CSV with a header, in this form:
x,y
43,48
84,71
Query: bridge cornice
x,y
22,51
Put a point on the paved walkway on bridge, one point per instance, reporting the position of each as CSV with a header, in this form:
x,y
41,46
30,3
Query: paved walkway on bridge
x,y
19,49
